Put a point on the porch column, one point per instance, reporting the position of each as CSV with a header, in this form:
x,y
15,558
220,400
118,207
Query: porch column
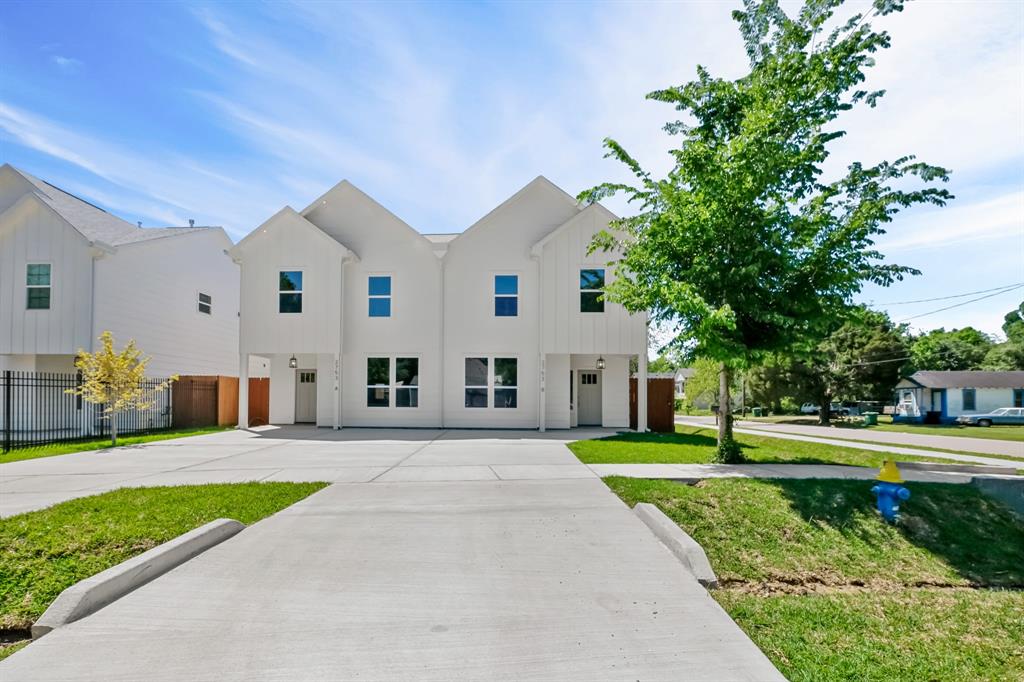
x,y
243,391
641,392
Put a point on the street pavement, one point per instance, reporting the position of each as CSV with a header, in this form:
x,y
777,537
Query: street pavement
x,y
524,568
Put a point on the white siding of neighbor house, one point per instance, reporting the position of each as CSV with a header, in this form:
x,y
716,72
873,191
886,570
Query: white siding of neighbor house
x,y
31,233
287,242
985,400
148,291
566,329
386,246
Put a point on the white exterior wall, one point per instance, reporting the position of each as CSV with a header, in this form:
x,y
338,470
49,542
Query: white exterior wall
x,y
556,384
985,400
149,291
32,233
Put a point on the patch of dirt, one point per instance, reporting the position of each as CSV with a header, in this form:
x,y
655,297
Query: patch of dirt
x,y
815,585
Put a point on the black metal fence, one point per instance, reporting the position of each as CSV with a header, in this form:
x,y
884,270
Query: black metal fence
x,y
36,409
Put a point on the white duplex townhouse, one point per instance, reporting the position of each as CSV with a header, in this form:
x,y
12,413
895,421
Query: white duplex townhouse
x,y
366,322
70,270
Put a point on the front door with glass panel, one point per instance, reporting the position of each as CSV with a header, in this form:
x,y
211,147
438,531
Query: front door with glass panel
x,y
305,396
589,398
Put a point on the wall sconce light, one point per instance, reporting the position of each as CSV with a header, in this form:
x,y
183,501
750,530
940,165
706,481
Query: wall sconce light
x,y
293,363
600,362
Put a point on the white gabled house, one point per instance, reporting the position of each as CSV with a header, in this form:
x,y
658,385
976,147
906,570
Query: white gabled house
x,y
69,270
366,322
944,396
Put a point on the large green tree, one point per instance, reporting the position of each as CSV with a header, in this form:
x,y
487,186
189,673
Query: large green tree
x,y
959,349
1008,355
745,247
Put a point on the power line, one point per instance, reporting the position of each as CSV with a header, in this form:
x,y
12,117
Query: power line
x,y
946,298
957,305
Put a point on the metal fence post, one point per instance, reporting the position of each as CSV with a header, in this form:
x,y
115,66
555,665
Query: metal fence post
x,y
8,389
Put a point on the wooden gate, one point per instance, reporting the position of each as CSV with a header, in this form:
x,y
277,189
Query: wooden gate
x,y
660,404
259,402
194,401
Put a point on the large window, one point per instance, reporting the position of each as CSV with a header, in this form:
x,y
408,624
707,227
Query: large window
x,y
490,379
37,281
506,295
592,290
1018,397
407,381
378,382
969,399
205,303
289,291
404,383
380,296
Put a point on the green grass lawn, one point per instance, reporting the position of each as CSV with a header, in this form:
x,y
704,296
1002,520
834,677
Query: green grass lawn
x,y
831,592
43,552
695,445
885,423
104,443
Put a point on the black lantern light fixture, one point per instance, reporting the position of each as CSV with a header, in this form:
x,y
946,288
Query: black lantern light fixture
x,y
600,362
293,363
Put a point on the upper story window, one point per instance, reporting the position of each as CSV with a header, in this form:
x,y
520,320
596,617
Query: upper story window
x,y
592,290
205,303
37,281
380,296
969,402
506,295
289,291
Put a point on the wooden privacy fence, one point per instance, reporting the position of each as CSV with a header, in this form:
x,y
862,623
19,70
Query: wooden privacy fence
x,y
661,394
205,401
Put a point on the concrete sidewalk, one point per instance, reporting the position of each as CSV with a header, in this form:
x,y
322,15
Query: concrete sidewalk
x,y
745,427
479,580
981,446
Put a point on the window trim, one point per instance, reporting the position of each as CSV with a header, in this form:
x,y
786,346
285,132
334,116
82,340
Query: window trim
x,y
393,386
301,292
974,399
491,386
28,287
200,303
579,283
389,296
496,295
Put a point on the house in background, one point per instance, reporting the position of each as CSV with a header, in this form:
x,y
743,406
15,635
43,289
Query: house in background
x,y
936,397
366,322
69,270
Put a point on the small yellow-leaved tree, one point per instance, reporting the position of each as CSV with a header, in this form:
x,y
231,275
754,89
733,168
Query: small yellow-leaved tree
x,y
116,380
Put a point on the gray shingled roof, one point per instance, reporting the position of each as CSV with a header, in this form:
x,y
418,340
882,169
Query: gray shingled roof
x,y
93,222
969,379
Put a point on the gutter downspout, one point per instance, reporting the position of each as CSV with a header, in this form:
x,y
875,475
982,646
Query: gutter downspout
x,y
339,358
537,255
444,293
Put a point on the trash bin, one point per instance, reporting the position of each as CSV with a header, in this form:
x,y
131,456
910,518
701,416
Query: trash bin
x,y
870,419
757,411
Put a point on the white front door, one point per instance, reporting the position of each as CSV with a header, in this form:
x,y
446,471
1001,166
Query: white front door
x,y
305,396
590,398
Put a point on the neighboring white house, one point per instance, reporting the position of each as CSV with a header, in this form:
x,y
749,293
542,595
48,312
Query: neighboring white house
x,y
948,395
367,322
70,270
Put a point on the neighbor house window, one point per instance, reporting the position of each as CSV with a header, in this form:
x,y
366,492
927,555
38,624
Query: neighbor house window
x,y
205,303
378,382
380,296
506,382
476,382
592,290
407,381
503,384
968,399
506,295
289,291
37,281
1018,397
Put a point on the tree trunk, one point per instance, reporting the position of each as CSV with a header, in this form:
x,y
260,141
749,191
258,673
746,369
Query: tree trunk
x,y
825,411
113,430
724,406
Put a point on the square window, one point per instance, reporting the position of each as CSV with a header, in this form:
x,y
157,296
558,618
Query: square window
x,y
407,397
380,286
38,274
290,280
380,307
476,397
39,298
407,371
378,371
378,396
506,306
506,285
505,371
289,303
591,302
505,397
592,279
476,371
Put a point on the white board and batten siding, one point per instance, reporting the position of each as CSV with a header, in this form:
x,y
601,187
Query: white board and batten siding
x,y
32,233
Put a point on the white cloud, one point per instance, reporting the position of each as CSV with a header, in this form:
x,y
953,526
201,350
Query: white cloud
x,y
66,64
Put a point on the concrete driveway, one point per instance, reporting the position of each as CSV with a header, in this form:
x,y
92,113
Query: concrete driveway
x,y
298,453
525,568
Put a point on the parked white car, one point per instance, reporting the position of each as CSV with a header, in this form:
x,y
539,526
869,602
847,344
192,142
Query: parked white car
x,y
808,408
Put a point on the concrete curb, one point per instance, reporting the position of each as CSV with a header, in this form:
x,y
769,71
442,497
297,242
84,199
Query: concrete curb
x,y
687,550
1009,491
965,468
92,594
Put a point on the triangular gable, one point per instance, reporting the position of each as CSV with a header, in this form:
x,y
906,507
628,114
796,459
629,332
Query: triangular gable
x,y
538,183
346,191
288,218
582,215
33,199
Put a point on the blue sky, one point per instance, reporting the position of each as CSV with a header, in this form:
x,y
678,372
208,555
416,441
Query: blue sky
x,y
162,112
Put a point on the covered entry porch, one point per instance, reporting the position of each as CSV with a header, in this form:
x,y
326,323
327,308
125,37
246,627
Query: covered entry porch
x,y
588,390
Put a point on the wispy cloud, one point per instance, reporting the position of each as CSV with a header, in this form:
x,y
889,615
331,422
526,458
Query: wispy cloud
x,y
66,64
